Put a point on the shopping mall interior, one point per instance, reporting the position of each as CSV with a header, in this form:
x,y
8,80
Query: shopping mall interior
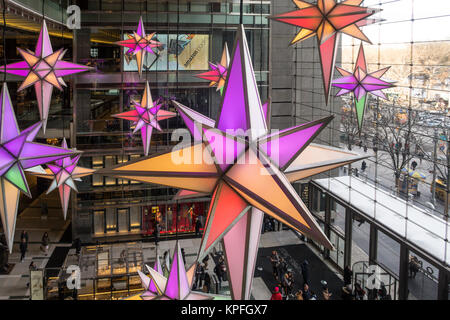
x,y
124,177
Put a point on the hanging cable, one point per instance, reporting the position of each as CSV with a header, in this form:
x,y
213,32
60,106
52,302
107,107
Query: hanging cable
x,y
176,52
4,40
63,91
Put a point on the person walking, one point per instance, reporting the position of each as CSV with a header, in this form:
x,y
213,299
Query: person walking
x,y
275,261
156,233
44,243
276,295
305,272
207,284
198,225
183,255
23,249
307,295
24,235
199,275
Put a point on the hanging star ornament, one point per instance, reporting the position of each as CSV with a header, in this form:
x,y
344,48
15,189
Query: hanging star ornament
x,y
250,176
360,82
177,286
326,20
218,73
44,69
18,152
64,173
146,116
139,44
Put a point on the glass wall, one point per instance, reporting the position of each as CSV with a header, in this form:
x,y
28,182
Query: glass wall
x,y
403,183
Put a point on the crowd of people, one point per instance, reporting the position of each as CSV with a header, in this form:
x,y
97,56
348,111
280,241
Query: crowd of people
x,y
287,289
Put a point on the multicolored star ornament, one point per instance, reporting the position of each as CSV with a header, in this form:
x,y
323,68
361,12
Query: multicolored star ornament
x,y
44,69
64,173
218,73
17,153
146,116
245,173
360,82
177,286
139,44
326,20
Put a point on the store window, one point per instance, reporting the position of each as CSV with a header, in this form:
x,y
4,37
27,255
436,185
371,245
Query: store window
x,y
111,220
99,222
109,163
360,239
388,252
123,219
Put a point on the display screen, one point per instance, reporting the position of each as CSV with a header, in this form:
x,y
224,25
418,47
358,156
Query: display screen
x,y
193,54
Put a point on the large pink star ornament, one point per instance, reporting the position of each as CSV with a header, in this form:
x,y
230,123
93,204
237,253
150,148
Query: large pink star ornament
x,y
18,152
218,73
146,116
64,173
177,286
244,173
361,82
44,69
327,19
139,44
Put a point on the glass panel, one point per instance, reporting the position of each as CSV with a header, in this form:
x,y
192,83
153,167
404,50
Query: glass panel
x,y
111,221
388,252
123,219
135,218
361,239
99,222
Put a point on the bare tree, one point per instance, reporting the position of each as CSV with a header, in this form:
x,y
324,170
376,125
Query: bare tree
x,y
440,158
349,125
396,136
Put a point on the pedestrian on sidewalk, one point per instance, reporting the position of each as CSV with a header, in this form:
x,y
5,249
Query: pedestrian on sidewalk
x,y
23,248
183,255
156,233
24,235
198,225
44,243
275,261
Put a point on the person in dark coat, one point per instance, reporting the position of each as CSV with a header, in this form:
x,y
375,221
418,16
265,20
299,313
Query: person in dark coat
x,y
207,284
305,272
348,275
198,225
156,233
23,249
183,255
